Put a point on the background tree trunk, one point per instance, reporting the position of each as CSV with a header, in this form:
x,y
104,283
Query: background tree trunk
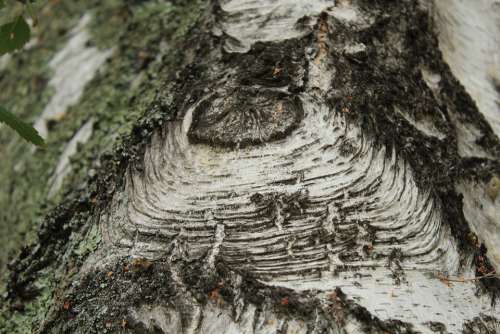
x,y
245,166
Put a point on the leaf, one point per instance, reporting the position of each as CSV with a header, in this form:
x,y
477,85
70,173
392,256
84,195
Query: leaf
x,y
23,129
14,35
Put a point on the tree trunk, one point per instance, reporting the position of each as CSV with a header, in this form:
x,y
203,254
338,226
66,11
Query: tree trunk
x,y
243,166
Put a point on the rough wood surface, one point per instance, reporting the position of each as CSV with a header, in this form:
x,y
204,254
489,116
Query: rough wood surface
x,y
320,170
266,175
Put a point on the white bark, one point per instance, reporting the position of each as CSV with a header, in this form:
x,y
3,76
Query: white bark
x,y
74,66
469,34
320,209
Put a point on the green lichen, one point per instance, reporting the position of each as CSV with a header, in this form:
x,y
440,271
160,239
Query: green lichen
x,y
144,36
24,170
90,243
32,313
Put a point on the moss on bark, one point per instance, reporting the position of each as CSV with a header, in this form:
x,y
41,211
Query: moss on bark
x,y
144,36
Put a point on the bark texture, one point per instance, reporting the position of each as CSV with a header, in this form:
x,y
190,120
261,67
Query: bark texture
x,y
304,167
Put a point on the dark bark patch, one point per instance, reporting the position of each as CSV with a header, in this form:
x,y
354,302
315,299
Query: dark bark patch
x,y
245,117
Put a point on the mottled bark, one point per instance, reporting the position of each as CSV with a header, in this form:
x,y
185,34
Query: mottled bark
x,y
307,167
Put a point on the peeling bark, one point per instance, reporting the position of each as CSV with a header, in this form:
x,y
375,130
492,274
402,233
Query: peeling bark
x,y
318,169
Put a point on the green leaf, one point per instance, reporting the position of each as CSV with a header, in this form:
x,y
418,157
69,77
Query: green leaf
x,y
14,35
23,129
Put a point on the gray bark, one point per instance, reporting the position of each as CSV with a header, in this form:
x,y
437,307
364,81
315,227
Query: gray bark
x,y
317,167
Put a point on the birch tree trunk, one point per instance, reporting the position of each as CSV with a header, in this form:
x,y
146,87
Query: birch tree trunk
x,y
243,166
